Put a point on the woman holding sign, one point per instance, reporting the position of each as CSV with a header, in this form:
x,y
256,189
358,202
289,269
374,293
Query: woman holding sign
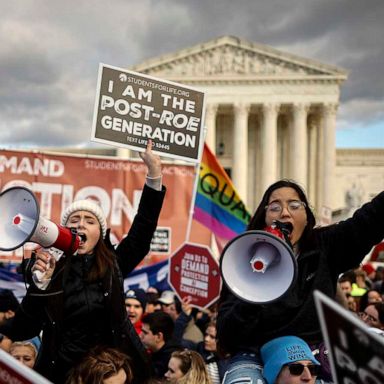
x,y
79,303
322,254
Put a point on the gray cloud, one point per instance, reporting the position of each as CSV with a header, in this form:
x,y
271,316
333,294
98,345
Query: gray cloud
x,y
50,52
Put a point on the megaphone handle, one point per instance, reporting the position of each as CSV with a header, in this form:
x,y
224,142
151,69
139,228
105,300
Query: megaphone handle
x,y
286,230
39,277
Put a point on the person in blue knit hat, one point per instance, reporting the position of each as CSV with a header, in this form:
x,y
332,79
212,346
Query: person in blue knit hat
x,y
289,360
322,254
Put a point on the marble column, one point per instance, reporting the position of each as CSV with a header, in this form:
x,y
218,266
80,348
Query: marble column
x,y
269,145
210,126
240,149
329,153
312,160
299,145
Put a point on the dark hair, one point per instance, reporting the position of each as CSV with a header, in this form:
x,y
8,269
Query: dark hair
x,y
258,219
364,299
104,261
348,276
8,300
152,297
100,364
343,279
210,324
380,310
160,321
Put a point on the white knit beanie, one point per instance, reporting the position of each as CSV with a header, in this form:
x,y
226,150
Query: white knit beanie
x,y
86,205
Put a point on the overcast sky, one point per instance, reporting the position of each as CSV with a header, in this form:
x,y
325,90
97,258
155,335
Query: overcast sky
x,y
50,51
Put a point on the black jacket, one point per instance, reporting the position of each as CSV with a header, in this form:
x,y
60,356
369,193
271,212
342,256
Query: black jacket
x,y
76,315
332,250
160,359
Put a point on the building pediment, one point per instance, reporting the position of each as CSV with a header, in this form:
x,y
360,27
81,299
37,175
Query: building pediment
x,y
231,58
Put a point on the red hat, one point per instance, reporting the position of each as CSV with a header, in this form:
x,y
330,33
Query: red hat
x,y
368,268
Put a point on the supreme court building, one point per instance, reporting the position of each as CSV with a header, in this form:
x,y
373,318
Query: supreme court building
x,y
269,114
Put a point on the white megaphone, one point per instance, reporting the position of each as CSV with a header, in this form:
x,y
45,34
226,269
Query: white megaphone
x,y
258,267
21,222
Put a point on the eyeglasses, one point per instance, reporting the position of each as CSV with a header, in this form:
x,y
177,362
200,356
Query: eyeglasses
x,y
297,369
370,318
293,206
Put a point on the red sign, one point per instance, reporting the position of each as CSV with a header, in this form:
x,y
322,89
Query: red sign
x,y
194,272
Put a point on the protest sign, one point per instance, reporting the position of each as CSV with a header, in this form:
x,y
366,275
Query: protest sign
x,y
58,179
194,272
356,353
131,108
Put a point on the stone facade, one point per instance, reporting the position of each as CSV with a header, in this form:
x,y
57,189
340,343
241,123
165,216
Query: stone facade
x,y
269,114
359,177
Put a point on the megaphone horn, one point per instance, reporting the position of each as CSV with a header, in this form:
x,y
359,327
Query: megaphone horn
x,y
21,222
258,267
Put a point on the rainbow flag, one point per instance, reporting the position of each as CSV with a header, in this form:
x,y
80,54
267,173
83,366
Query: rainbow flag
x,y
217,204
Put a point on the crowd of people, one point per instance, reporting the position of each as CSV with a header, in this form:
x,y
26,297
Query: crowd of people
x,y
179,357
76,325
174,354
363,290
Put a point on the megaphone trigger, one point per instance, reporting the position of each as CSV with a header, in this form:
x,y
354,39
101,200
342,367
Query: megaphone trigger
x,y
55,252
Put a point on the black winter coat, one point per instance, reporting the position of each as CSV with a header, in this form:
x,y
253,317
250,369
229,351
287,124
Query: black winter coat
x,y
76,315
333,250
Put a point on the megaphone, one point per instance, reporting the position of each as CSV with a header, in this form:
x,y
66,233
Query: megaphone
x,y
258,267
21,222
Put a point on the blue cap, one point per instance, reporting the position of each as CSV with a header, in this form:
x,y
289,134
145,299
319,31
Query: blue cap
x,y
137,294
281,351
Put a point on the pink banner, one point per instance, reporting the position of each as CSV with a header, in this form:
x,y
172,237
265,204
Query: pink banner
x,y
57,180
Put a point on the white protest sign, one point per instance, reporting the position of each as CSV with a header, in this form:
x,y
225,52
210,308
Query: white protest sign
x,y
356,353
131,108
13,372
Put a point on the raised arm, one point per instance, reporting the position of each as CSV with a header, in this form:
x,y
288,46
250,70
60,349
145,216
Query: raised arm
x,y
135,246
153,163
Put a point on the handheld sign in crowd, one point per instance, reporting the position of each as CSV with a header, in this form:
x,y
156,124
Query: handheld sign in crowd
x,y
13,372
356,352
194,272
131,108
